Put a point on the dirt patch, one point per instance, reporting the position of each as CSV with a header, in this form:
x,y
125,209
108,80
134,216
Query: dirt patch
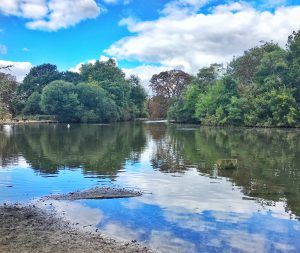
x,y
96,193
30,229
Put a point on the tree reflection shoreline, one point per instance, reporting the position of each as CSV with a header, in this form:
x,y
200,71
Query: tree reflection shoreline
x,y
268,168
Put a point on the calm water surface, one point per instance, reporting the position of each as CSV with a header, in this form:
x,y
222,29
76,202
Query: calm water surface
x,y
190,203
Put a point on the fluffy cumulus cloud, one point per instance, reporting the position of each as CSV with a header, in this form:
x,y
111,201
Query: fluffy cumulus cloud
x,y
188,39
18,69
24,8
51,15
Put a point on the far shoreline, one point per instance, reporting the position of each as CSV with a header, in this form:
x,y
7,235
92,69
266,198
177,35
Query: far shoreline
x,y
32,122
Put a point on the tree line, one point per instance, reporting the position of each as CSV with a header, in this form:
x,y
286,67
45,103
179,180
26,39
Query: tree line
x,y
259,88
99,93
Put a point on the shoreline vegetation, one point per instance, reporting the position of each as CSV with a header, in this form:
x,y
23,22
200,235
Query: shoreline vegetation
x,y
261,88
26,228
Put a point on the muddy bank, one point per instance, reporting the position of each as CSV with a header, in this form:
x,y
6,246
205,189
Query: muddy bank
x,y
30,229
96,193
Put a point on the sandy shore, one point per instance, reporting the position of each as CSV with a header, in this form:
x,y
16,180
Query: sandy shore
x,y
29,229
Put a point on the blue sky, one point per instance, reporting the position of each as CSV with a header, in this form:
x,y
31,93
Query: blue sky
x,y
144,36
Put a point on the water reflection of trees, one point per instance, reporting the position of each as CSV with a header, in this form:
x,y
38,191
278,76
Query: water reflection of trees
x,y
98,149
167,153
268,159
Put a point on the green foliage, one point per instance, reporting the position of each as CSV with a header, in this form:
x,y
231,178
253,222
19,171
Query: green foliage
x,y
260,88
3,113
137,97
102,71
38,78
8,94
96,106
60,98
99,93
293,51
33,106
71,77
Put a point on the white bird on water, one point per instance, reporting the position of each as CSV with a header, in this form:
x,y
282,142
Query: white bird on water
x,y
68,126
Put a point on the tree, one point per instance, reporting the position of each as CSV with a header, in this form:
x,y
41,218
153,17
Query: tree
x,y
38,77
243,68
211,73
293,56
71,77
169,84
137,96
96,105
102,71
158,107
8,87
61,99
32,106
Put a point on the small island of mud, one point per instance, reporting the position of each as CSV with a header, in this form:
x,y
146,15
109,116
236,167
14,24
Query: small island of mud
x,y
96,193
31,229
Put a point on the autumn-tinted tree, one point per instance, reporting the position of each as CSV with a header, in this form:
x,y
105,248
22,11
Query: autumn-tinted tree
x,y
158,107
169,84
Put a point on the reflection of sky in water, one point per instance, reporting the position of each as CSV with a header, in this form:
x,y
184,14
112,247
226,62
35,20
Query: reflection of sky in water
x,y
179,231
184,213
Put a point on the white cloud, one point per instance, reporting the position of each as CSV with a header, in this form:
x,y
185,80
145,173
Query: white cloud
x,y
66,13
19,69
24,8
190,41
51,15
144,72
3,49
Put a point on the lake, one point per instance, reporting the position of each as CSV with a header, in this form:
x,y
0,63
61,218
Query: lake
x,y
193,201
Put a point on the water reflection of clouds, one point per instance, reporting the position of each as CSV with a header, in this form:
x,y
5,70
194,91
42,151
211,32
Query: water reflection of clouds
x,y
166,242
191,222
76,213
121,232
244,242
193,193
